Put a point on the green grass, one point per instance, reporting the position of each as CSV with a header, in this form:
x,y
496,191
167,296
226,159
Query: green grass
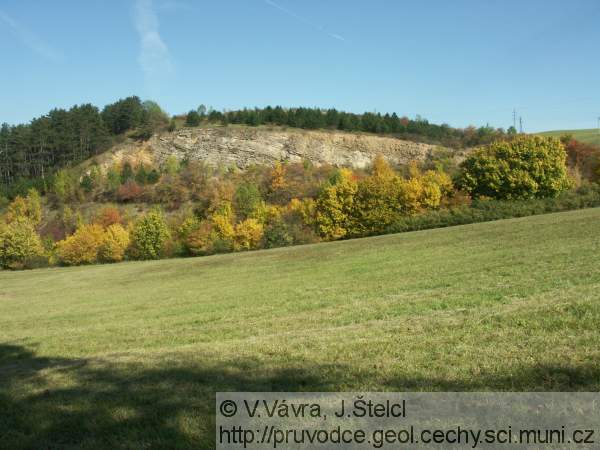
x,y
590,136
130,355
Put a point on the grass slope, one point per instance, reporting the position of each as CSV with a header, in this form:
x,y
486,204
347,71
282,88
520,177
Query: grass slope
x,y
590,136
130,355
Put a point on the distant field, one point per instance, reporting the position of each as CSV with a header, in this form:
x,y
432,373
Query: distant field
x,y
131,355
592,136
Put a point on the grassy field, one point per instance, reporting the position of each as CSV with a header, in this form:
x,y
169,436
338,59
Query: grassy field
x,y
591,136
131,355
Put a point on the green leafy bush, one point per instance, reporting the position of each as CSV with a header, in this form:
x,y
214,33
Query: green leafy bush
x,y
192,119
149,236
277,234
587,196
526,167
246,200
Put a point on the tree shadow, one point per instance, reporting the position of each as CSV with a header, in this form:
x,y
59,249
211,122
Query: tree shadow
x,y
55,403
95,404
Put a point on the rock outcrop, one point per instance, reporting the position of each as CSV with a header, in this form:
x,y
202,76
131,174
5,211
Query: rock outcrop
x,y
245,146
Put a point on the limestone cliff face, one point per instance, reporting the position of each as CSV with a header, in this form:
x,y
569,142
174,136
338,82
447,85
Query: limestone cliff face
x,y
244,146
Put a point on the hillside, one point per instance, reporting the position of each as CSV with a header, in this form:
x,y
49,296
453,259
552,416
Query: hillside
x,y
130,355
242,146
64,138
591,136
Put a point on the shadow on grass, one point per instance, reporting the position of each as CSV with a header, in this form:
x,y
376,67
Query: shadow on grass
x,y
79,404
535,378
48,403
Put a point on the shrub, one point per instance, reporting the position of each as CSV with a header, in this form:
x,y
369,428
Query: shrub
x,y
64,186
248,235
86,183
186,225
29,208
200,240
335,204
153,177
16,210
377,200
214,235
277,234
222,220
215,194
82,247
487,210
130,191
20,245
277,183
126,172
34,207
582,157
69,220
107,216
171,165
192,119
526,167
247,200
384,197
424,191
114,244
171,192
113,178
149,236
441,183
182,225
141,174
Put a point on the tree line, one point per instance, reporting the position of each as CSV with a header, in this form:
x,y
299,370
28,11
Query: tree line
x,y
186,208
418,129
30,153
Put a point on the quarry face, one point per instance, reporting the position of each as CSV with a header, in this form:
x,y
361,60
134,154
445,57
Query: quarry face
x,y
242,147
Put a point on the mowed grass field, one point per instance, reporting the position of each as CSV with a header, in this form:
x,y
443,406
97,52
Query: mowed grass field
x,y
131,355
590,136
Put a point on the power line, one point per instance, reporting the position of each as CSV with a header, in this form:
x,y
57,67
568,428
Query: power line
x,y
520,124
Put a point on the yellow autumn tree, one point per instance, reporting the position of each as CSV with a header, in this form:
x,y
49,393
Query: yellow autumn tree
x,y
20,245
82,247
278,185
248,235
335,204
114,244
377,200
424,190
222,221
29,208
278,177
215,235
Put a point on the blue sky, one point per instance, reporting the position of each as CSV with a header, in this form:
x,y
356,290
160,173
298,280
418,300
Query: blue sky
x,y
461,62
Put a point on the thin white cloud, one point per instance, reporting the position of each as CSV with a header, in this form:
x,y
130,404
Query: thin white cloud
x,y
30,39
304,20
154,57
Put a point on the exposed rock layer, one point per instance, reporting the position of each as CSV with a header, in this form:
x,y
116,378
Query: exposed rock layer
x,y
244,146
